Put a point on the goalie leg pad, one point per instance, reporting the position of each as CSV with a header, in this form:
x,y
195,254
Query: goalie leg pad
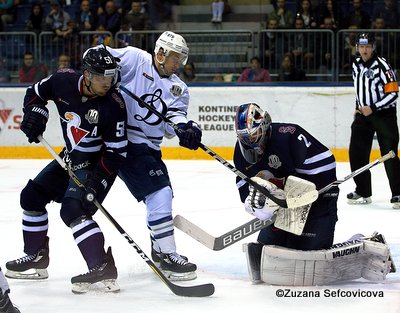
x,y
253,257
344,261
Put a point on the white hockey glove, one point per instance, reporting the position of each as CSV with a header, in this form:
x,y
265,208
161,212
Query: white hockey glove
x,y
258,204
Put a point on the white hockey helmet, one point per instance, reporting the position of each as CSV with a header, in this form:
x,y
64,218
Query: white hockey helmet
x,y
170,41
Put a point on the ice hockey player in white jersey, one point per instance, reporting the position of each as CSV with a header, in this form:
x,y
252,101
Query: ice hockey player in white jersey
x,y
6,306
153,79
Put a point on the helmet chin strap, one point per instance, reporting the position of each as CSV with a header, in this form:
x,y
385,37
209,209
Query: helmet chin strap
x,y
161,63
88,86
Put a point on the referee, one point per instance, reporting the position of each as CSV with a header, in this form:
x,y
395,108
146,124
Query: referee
x,y
376,90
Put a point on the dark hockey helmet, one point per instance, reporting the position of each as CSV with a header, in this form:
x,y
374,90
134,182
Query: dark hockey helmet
x,y
99,61
366,39
252,126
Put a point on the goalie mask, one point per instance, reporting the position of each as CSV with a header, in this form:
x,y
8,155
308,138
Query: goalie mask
x,y
170,41
252,126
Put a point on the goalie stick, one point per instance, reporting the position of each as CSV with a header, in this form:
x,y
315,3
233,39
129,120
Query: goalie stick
x,y
304,199
186,291
249,228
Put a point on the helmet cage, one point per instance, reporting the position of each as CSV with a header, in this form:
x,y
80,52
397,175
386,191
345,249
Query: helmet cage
x,y
170,41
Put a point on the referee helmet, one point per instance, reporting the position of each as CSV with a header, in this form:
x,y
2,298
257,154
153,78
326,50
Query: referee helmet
x,y
366,39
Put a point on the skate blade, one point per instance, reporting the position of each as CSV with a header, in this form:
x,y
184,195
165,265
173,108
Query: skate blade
x,y
174,276
396,206
31,274
108,285
359,201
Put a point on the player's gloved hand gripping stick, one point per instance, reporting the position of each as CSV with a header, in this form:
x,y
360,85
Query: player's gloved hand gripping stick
x,y
300,200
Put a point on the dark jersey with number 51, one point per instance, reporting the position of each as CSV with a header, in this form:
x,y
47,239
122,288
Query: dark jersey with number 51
x,y
93,128
290,150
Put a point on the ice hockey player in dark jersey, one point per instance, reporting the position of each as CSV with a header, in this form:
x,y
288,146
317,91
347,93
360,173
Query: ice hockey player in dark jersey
x,y
278,150
92,114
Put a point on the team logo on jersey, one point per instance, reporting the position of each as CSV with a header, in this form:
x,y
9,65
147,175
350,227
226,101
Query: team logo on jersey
x,y
176,90
274,162
155,100
148,77
369,73
92,116
75,134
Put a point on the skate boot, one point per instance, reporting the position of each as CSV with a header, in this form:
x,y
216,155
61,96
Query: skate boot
x,y
6,305
253,255
33,266
355,198
396,202
176,267
100,278
156,254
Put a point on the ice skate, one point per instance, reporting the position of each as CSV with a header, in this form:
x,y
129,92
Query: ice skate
x,y
355,198
6,305
100,278
177,267
33,266
396,202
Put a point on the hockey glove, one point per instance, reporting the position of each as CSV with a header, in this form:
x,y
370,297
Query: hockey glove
x,y
95,184
258,204
34,121
190,135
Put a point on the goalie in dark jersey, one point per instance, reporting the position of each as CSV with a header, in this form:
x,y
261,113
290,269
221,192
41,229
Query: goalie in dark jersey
x,y
93,118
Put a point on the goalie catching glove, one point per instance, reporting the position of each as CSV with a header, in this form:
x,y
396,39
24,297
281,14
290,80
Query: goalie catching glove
x,y
34,121
189,135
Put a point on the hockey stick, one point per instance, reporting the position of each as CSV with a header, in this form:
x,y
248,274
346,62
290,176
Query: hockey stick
x,y
186,291
249,228
304,199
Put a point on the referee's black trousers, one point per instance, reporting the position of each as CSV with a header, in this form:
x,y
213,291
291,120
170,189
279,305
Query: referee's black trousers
x,y
363,128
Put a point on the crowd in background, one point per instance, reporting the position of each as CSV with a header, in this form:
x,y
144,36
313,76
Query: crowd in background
x,y
66,18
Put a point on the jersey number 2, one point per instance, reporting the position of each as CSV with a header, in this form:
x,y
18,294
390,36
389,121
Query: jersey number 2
x,y
302,137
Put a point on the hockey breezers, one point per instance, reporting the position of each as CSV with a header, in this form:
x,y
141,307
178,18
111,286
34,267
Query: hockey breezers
x,y
304,199
249,228
186,291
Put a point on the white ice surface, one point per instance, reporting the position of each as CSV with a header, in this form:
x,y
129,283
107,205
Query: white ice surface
x,y
206,194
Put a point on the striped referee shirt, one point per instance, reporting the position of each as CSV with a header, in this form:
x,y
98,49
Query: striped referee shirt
x,y
375,83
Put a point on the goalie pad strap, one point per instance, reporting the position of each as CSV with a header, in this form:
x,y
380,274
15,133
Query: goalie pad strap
x,y
345,261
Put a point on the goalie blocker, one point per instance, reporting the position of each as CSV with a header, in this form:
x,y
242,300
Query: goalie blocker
x,y
367,258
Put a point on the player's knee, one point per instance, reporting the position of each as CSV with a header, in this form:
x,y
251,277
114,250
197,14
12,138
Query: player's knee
x,y
34,197
159,203
71,211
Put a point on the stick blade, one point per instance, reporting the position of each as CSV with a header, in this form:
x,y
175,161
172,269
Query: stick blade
x,y
204,290
194,231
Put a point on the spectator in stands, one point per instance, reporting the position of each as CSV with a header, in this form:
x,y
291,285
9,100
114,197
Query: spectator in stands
x,y
349,50
357,16
273,44
300,44
30,72
35,22
307,13
102,37
255,73
136,18
283,15
217,8
330,9
64,61
288,72
8,11
110,18
57,20
389,13
85,18
5,76
188,74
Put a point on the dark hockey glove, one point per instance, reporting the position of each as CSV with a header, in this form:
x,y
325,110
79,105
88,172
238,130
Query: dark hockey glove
x,y
190,135
34,121
96,183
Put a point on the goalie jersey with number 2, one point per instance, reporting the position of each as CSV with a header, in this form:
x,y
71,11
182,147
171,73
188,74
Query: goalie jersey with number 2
x,y
282,150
